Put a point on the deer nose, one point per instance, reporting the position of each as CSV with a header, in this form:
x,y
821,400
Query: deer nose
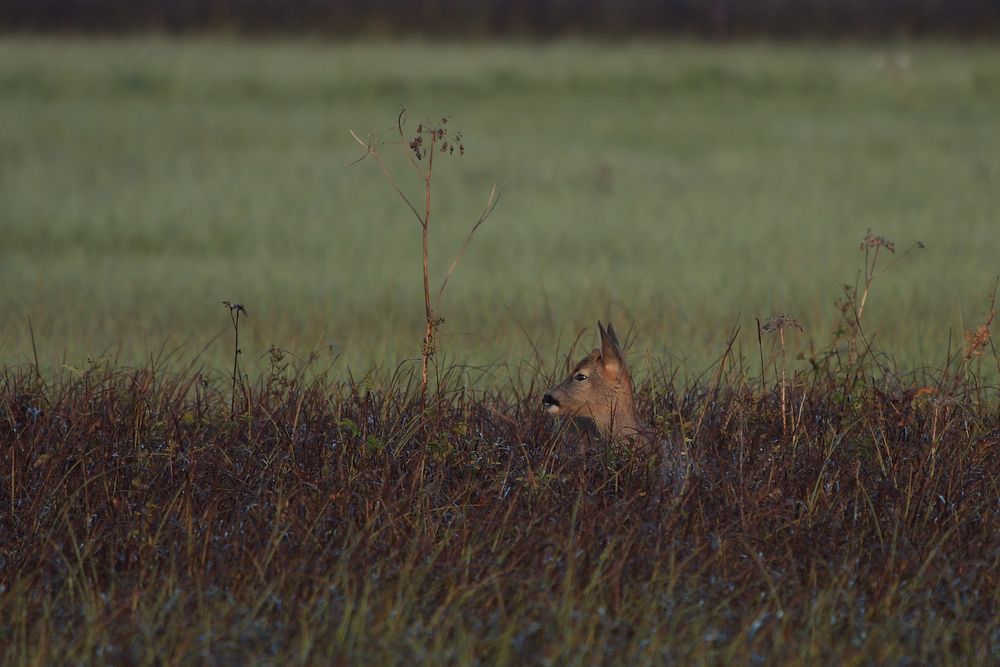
x,y
549,401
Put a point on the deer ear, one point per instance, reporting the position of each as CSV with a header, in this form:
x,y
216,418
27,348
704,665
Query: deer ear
x,y
611,355
613,336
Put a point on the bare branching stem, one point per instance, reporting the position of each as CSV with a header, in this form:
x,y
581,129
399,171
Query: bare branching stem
x,y
438,138
235,309
779,323
428,346
869,277
371,152
781,337
491,203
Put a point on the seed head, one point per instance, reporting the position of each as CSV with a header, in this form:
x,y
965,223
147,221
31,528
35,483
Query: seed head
x,y
416,145
235,307
873,241
780,322
976,340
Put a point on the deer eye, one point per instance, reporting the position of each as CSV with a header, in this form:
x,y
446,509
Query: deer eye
x,y
579,377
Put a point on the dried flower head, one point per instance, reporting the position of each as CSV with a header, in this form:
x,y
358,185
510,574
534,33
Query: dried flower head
x,y
977,339
416,145
435,135
235,308
873,241
780,321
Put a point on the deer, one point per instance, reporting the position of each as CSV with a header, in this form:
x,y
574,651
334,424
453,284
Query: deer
x,y
598,395
599,399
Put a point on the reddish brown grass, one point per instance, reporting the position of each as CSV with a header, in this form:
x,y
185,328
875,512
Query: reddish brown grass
x,y
331,522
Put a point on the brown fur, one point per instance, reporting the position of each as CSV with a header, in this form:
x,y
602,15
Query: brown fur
x,y
598,394
599,398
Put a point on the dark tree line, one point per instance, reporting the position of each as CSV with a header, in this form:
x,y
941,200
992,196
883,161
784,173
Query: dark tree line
x,y
471,18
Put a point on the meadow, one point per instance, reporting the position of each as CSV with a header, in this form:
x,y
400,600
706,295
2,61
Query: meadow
x,y
843,499
148,517
680,189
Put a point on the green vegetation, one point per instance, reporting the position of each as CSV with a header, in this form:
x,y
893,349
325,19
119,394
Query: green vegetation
x,y
683,188
338,523
164,512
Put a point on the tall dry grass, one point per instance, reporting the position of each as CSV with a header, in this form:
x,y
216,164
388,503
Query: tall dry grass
x,y
844,515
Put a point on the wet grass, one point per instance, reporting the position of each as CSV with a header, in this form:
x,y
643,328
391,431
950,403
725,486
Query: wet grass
x,y
333,521
681,187
844,499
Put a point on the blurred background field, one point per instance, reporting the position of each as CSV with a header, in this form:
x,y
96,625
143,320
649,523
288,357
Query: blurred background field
x,y
678,188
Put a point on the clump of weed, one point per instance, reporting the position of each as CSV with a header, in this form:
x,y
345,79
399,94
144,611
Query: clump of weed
x,y
778,323
852,307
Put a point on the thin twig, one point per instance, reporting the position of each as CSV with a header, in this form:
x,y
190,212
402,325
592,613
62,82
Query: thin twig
x,y
400,121
760,348
234,314
34,350
715,382
369,151
919,245
491,204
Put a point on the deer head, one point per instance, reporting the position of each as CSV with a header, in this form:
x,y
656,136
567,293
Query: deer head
x,y
599,389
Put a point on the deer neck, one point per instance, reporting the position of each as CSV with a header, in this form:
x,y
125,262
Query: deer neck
x,y
620,422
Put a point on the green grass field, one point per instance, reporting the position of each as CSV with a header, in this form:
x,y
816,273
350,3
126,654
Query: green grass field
x,y
832,513
679,188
